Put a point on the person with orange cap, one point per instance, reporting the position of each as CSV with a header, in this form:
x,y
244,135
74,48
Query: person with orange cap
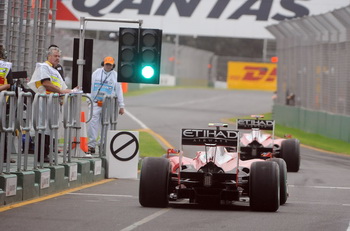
x,y
103,82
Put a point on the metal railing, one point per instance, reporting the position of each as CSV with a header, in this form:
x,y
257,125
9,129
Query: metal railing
x,y
7,126
24,124
314,57
23,114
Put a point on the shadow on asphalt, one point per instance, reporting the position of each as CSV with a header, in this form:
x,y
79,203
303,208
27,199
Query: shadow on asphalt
x,y
239,206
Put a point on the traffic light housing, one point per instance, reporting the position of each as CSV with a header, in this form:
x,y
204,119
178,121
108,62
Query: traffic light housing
x,y
128,54
139,62
149,55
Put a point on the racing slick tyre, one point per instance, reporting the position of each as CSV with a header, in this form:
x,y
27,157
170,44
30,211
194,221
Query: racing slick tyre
x,y
290,152
283,179
264,186
154,181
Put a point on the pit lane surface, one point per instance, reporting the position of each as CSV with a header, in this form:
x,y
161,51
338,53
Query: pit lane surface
x,y
319,192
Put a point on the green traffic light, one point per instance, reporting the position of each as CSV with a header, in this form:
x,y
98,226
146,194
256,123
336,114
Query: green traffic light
x,y
147,72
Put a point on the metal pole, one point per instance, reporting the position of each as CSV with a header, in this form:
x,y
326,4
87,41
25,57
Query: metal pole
x,y
9,30
53,21
3,27
26,63
20,34
35,36
264,53
176,55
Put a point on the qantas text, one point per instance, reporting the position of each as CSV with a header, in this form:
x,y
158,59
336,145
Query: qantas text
x,y
186,8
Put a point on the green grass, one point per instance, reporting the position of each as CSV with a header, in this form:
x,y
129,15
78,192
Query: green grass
x,y
149,146
309,139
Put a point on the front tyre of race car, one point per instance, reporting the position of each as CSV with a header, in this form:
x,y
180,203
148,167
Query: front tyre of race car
x,y
283,179
264,186
290,152
154,181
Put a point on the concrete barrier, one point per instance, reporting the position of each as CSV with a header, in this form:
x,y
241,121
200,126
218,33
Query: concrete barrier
x,y
330,125
26,180
13,192
26,185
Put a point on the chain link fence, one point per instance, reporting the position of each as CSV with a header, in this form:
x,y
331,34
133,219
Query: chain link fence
x,y
314,57
314,72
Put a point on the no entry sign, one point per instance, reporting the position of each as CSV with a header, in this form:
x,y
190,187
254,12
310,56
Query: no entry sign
x,y
122,154
121,145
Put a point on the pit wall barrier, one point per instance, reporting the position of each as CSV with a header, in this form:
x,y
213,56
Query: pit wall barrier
x,y
25,185
29,178
326,124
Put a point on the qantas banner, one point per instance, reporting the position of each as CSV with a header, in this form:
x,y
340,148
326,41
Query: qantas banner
x,y
217,18
252,76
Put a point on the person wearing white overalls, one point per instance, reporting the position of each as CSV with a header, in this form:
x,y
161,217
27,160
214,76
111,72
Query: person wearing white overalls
x,y
103,82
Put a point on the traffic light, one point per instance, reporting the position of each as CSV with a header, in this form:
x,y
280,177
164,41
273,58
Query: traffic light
x,y
128,55
139,55
149,55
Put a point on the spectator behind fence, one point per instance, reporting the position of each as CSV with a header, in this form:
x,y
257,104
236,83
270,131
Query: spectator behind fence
x,y
5,84
290,98
47,79
103,82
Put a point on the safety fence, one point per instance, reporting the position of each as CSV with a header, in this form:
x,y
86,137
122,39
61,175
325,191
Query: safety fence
x,y
23,118
313,72
26,30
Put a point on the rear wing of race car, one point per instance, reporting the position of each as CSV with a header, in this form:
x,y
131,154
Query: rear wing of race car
x,y
212,137
257,123
268,125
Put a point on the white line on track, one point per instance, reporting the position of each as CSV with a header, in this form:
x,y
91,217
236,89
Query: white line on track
x,y
146,219
136,120
348,227
319,187
187,102
101,195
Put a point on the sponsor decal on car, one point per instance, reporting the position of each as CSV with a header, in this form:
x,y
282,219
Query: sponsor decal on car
x,y
209,136
251,123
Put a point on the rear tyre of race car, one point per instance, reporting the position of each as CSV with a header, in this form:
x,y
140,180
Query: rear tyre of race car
x,y
290,152
283,179
154,181
264,186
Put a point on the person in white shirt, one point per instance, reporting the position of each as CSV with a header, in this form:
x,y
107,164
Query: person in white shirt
x,y
46,79
103,82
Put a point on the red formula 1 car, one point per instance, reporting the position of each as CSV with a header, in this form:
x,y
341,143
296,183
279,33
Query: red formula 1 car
x,y
256,144
214,176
